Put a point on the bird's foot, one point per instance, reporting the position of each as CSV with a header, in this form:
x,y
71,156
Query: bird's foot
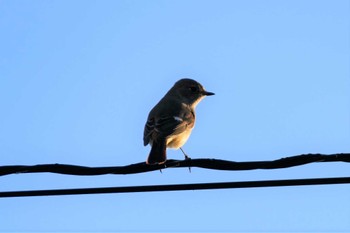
x,y
186,158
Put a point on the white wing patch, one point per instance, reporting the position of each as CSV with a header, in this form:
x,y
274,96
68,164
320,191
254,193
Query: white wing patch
x,y
178,118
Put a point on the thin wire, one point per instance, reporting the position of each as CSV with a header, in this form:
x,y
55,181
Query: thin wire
x,y
178,187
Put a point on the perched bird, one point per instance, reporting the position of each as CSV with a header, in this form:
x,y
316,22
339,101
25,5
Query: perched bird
x,y
171,121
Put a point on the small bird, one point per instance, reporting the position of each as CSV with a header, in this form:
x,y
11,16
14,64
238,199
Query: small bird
x,y
170,122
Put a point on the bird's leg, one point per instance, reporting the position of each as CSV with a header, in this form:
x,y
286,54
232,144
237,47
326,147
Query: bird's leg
x,y
186,157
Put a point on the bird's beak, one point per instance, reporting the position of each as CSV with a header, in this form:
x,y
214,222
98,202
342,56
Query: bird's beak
x,y
207,93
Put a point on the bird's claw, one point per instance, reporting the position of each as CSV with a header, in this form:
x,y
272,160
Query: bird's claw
x,y
188,158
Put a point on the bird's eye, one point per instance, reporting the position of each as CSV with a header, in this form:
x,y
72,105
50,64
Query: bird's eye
x,y
194,89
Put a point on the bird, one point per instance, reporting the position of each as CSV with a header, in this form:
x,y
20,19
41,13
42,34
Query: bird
x,y
171,120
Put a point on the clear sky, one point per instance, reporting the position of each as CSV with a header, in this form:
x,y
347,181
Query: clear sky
x,y
78,78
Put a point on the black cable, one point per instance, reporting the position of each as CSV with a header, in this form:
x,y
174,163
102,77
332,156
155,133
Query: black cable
x,y
178,187
216,164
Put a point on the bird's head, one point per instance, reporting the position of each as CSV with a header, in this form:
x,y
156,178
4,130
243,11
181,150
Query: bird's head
x,y
190,91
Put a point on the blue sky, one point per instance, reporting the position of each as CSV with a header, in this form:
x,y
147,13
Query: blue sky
x,y
78,78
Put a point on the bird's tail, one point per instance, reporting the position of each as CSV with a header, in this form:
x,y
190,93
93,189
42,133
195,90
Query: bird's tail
x,y
158,152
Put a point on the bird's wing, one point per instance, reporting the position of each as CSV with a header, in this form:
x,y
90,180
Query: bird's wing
x,y
170,125
164,126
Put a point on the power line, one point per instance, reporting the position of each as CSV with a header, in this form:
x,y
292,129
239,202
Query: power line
x,y
178,187
215,164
